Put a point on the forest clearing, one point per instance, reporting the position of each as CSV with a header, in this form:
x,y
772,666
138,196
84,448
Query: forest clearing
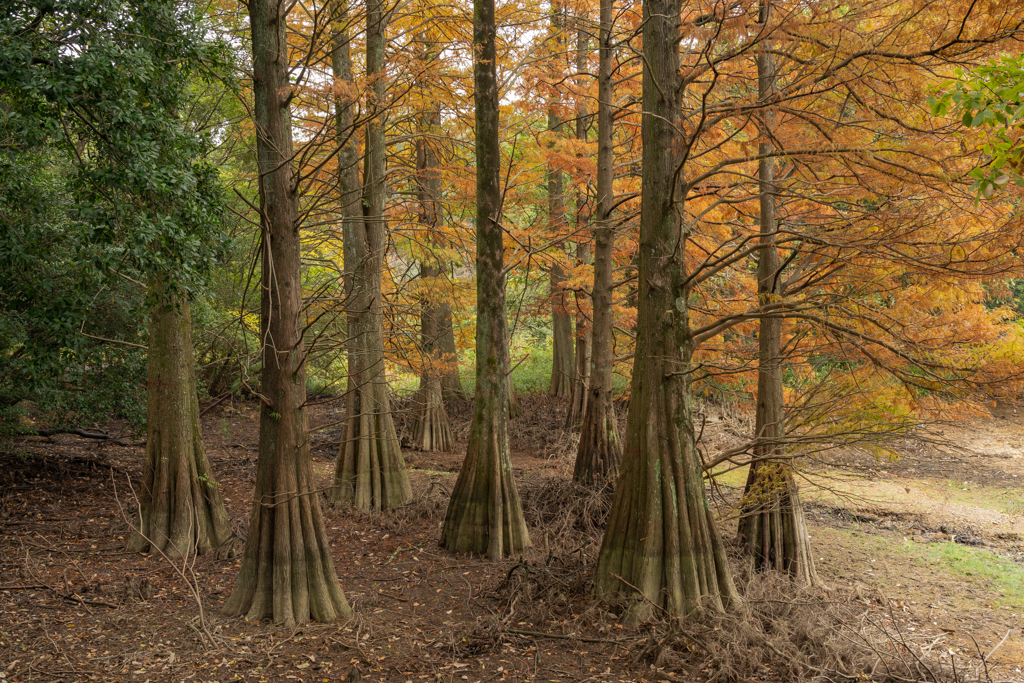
x,y
929,547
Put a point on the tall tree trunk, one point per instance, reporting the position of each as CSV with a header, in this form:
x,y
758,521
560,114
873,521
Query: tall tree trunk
x,y
287,570
600,450
562,360
430,428
181,510
581,373
370,471
772,528
484,513
661,547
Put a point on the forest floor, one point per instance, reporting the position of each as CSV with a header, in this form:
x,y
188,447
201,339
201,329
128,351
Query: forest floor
x,y
923,557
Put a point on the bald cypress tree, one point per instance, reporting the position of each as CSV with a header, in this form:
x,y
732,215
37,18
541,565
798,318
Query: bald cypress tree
x,y
661,547
287,570
484,514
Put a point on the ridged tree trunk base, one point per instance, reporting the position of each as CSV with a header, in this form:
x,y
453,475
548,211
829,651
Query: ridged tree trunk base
x,y
431,430
485,515
661,552
287,570
772,530
370,473
181,510
600,451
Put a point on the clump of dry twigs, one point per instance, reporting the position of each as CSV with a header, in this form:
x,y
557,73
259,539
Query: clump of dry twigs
x,y
565,516
428,504
812,636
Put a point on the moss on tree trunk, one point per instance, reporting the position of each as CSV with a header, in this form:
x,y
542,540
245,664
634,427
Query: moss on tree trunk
x,y
484,514
661,548
181,510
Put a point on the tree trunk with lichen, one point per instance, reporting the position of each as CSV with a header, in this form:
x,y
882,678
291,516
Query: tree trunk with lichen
x,y
287,570
484,514
370,472
661,548
600,451
181,510
772,528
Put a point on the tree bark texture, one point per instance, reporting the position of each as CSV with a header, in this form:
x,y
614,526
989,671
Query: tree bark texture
x,y
563,357
772,528
431,430
287,571
370,471
600,451
661,547
451,383
562,360
581,373
181,510
484,514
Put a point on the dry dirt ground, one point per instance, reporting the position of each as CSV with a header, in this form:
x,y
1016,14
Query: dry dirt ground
x,y
926,551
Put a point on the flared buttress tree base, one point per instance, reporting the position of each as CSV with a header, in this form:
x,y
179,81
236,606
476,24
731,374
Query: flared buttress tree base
x,y
600,451
287,571
661,549
485,515
431,430
772,530
181,510
370,473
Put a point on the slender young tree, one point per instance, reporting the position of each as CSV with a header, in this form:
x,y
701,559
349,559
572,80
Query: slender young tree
x,y
600,450
370,472
181,509
581,372
772,527
484,514
562,357
287,570
430,428
661,547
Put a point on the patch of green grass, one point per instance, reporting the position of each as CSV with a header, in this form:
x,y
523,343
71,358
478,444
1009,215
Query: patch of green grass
x,y
730,475
961,565
998,572
1007,500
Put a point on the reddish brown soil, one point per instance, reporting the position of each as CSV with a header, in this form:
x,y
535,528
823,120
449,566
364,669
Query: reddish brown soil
x,y
75,607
